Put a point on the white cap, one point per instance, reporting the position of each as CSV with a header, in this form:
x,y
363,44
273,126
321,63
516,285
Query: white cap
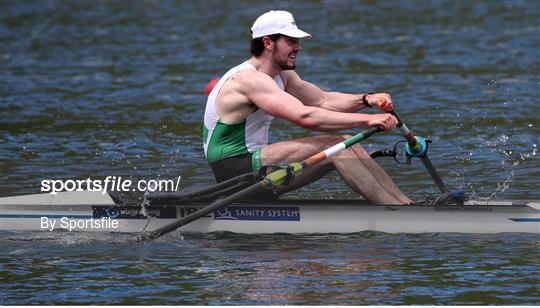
x,y
275,22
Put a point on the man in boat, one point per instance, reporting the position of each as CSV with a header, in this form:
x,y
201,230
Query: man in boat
x,y
241,106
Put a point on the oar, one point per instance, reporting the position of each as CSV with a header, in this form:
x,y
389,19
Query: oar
x,y
417,147
273,179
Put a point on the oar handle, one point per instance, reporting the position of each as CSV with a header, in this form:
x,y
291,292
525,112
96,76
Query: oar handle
x,y
404,130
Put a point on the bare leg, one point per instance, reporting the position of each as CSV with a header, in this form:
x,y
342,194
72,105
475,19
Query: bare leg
x,y
355,166
366,177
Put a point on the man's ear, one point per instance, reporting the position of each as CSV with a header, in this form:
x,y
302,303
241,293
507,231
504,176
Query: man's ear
x,y
268,43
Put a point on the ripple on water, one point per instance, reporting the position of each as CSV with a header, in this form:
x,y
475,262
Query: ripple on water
x,y
96,89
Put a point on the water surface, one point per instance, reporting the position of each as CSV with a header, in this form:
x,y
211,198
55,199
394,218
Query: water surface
x,y
91,89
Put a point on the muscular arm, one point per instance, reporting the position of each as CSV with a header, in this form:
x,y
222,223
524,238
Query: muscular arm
x,y
312,95
260,89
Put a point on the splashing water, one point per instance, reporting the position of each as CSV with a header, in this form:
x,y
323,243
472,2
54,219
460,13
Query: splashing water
x,y
503,164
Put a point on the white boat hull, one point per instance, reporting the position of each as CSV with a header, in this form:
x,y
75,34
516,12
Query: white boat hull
x,y
96,212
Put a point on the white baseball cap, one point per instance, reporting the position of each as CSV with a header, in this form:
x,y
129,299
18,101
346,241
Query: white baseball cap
x,y
275,22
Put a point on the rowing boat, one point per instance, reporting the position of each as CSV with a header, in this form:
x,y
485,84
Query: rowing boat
x,y
96,212
153,215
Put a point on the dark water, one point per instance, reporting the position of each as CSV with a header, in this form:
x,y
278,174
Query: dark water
x,y
363,268
91,89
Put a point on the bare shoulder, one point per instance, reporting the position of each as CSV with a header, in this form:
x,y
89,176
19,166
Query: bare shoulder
x,y
238,95
249,80
242,86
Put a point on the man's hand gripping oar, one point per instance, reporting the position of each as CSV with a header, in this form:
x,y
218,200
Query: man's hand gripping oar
x,y
273,179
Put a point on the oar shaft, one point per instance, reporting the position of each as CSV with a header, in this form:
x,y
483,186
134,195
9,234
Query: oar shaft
x,y
332,151
414,144
434,174
202,212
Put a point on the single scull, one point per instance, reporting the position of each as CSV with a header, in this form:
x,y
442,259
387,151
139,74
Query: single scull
x,y
97,212
150,216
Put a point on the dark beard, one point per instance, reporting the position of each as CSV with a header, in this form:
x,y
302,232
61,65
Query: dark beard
x,y
283,64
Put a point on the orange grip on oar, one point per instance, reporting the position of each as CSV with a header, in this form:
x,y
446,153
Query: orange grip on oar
x,y
315,159
383,104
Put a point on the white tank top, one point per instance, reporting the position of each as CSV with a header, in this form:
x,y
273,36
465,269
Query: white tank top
x,y
225,140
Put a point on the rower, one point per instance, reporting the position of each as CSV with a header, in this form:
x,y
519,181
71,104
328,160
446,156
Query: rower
x,y
242,104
